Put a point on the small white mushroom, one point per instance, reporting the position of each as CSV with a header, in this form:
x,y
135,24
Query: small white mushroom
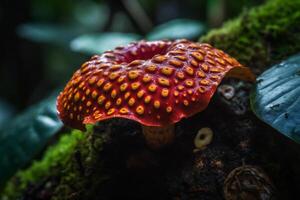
x,y
203,138
227,91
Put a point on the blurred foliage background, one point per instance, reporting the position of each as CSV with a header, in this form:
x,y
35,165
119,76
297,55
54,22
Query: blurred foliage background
x,y
44,41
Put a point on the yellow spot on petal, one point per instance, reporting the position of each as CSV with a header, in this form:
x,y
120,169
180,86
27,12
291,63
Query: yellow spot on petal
x,y
167,71
205,67
100,100
135,85
81,85
92,80
76,80
100,82
185,102
71,116
133,74
180,75
201,74
135,62
164,92
147,78
140,110
183,58
70,97
221,61
152,88
113,94
88,91
113,76
197,56
123,110
169,109
215,77
115,67
163,81
189,83
156,104
175,63
140,93
111,111
159,59
126,96
94,94
89,103
119,101
98,116
131,101
84,70
215,70
176,93
180,87
230,60
121,79
147,99
189,71
204,82
151,68
107,105
194,63
107,86
123,87
201,89
76,96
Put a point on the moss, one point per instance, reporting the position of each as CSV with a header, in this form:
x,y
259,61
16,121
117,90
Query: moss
x,y
83,173
56,156
262,35
64,171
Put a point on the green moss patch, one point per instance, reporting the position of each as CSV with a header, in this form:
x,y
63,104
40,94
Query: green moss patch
x,y
262,35
56,156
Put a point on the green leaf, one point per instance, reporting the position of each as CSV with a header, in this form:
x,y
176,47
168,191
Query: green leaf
x,y
98,43
276,97
48,33
26,135
6,113
177,29
90,14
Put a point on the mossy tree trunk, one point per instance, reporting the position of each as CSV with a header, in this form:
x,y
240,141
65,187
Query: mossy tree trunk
x,y
258,38
262,35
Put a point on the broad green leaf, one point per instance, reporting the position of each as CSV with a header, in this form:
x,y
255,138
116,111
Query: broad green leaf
x,y
6,112
48,33
177,29
90,14
276,97
98,43
26,135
